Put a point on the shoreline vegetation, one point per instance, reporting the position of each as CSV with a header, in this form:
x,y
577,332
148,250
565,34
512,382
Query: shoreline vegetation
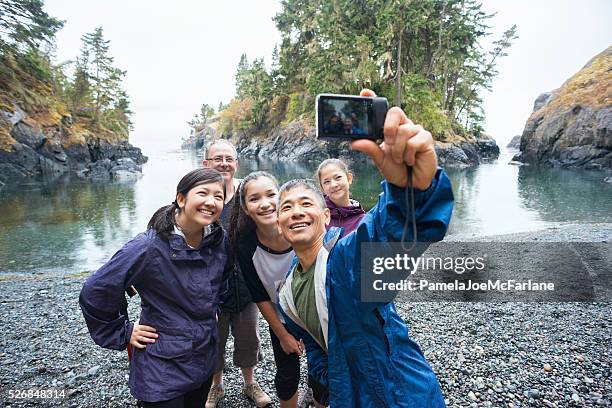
x,y
485,354
56,118
434,69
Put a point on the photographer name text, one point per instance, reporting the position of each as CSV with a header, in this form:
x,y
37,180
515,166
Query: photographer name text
x,y
509,285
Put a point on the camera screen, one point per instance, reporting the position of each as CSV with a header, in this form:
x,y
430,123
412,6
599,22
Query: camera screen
x,y
346,116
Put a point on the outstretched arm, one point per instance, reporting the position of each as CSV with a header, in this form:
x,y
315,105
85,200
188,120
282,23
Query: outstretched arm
x,y
405,144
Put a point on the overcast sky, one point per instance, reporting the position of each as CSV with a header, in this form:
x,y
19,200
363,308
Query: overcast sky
x,y
181,54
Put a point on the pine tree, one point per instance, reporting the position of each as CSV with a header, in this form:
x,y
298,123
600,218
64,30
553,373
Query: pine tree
x,y
98,80
24,24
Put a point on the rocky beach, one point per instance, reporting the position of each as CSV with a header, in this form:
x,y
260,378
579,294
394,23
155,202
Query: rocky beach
x,y
485,354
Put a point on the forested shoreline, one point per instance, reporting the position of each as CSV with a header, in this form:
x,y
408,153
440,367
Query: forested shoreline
x,y
59,117
424,56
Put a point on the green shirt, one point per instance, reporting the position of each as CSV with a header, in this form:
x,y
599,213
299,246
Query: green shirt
x,y
303,290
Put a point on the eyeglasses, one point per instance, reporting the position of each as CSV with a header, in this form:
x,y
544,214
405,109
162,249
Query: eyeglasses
x,y
221,159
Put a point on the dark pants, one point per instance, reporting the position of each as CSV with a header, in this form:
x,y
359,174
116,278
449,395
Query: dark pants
x,y
193,399
287,378
319,391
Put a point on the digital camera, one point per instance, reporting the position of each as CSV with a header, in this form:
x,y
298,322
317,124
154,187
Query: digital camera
x,y
348,117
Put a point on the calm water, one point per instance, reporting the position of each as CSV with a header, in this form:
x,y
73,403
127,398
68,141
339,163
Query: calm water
x,y
74,226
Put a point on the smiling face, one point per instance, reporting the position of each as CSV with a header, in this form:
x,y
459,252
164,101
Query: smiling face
x,y
222,157
260,201
301,219
335,183
348,125
201,206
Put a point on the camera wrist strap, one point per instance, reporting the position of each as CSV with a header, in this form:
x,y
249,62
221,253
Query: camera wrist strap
x,y
409,196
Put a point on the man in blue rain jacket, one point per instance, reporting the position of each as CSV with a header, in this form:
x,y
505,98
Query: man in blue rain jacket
x,y
360,354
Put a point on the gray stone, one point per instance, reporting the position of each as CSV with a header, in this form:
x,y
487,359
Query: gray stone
x,y
14,117
541,100
93,370
533,393
61,156
28,135
515,142
51,168
571,134
18,163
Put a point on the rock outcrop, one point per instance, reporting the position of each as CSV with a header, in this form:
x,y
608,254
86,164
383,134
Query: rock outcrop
x,y
49,149
297,141
515,142
572,126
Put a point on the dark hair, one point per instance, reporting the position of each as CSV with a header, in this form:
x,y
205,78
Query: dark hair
x,y
329,162
240,223
306,185
163,221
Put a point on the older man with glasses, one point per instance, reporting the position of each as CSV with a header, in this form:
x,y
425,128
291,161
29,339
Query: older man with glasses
x,y
238,312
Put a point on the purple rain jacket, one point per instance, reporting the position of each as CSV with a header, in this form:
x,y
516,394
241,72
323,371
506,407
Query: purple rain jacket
x,y
347,217
180,290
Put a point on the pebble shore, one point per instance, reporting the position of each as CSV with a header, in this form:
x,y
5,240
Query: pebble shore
x,y
484,354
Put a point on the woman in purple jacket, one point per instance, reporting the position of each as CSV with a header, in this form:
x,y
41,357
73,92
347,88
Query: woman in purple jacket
x,y
177,267
335,180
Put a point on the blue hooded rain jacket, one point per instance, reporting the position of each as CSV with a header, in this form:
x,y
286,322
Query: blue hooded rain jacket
x,y
369,359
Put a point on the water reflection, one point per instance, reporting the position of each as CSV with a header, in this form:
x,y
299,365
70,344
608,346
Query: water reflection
x,y
565,194
61,224
72,226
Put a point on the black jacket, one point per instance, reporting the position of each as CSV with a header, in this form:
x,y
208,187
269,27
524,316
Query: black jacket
x,y
238,295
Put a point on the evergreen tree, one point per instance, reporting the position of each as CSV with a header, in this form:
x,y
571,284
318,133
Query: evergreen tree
x,y
200,120
429,48
98,81
23,23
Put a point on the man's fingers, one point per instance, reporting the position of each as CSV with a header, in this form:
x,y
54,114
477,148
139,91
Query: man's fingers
x,y
395,118
370,148
367,92
397,149
404,134
422,141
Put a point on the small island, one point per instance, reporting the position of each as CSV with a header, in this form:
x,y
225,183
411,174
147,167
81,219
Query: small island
x,y
435,70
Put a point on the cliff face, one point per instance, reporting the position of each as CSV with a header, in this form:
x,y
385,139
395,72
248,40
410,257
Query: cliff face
x,y
51,145
572,126
297,141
